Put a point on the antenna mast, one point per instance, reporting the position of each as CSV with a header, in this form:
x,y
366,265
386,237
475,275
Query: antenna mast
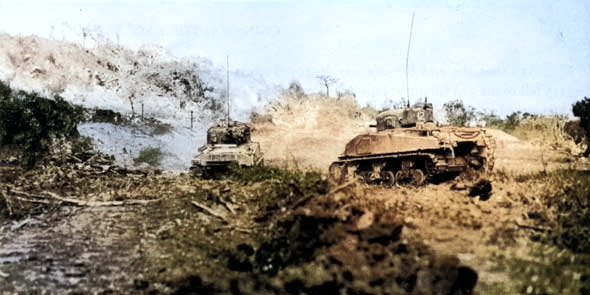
x,y
407,58
227,89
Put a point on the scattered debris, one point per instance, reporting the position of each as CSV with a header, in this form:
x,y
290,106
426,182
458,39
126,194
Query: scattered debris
x,y
209,211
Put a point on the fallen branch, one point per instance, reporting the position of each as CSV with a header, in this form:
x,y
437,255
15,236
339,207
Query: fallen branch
x,y
341,187
47,197
226,205
535,228
238,229
209,210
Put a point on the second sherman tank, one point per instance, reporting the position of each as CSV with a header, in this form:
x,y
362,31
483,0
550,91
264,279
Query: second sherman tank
x,y
409,148
228,144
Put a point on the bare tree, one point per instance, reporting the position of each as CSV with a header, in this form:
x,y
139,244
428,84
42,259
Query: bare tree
x,y
326,81
131,98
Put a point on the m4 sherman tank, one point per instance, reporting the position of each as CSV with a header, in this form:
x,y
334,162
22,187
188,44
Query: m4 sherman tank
x,y
228,143
409,148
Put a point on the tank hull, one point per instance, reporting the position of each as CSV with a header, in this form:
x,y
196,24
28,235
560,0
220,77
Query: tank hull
x,y
414,155
214,159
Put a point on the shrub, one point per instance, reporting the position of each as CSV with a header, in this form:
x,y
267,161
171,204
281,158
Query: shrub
x,y
569,193
32,122
558,258
150,155
581,109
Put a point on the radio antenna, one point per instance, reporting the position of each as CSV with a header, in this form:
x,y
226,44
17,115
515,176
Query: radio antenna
x,y
227,88
407,58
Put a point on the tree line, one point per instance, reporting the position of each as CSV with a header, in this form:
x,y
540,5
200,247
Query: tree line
x,y
459,114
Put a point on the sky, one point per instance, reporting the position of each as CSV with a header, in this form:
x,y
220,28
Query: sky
x,y
498,56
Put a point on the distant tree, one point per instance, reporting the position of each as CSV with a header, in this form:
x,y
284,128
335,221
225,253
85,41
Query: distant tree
x,y
326,81
513,120
581,109
458,114
490,119
295,89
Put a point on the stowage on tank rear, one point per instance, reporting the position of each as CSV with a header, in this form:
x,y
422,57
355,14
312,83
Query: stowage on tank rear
x,y
408,148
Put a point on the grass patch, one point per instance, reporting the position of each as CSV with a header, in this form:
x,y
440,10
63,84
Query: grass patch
x,y
149,155
558,260
551,271
568,192
268,172
276,187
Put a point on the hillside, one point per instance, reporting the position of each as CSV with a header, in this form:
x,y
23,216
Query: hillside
x,y
148,81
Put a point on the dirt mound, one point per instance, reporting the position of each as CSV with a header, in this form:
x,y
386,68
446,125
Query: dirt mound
x,y
332,245
309,132
502,136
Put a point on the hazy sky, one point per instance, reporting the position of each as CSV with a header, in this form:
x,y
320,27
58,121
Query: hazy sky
x,y
529,55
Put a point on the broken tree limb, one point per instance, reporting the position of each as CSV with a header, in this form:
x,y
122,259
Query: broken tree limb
x,y
226,205
50,197
341,187
535,228
209,210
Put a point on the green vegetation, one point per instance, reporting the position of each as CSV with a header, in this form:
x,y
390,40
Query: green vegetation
x,y
107,116
149,155
559,255
568,193
31,124
551,271
581,109
458,114
509,123
556,132
260,173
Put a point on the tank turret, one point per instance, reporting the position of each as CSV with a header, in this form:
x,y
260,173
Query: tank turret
x,y
231,132
418,114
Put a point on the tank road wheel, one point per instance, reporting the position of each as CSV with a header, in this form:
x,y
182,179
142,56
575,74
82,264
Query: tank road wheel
x,y
360,178
417,177
401,178
414,177
388,178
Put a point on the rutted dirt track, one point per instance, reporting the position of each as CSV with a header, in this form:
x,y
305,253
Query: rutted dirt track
x,y
232,236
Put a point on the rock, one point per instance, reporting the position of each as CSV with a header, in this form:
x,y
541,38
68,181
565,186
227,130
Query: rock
x,y
365,221
458,186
